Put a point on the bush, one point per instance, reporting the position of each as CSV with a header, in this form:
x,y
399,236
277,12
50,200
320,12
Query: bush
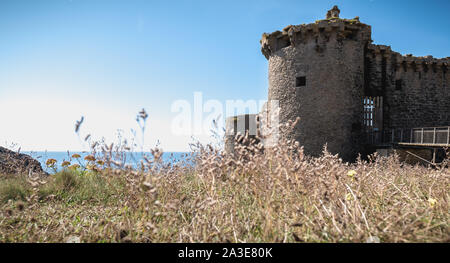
x,y
74,186
63,182
14,188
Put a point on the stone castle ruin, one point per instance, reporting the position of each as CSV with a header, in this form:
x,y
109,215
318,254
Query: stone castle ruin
x,y
349,93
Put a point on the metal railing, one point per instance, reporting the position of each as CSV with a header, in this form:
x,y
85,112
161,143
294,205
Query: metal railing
x,y
419,136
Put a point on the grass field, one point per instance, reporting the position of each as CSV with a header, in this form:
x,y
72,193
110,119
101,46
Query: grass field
x,y
276,196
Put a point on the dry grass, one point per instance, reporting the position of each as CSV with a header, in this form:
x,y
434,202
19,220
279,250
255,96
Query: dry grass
x,y
276,196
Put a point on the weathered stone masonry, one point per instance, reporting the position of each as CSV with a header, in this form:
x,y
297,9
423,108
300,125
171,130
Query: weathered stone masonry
x,y
321,72
415,89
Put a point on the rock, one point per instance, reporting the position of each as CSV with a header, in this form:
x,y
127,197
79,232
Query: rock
x,y
73,239
373,239
15,163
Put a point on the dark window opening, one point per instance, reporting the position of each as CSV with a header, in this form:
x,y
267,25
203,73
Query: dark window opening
x,y
352,36
398,84
300,81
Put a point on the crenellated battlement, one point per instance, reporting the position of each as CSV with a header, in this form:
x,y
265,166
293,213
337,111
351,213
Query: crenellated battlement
x,y
326,30
406,62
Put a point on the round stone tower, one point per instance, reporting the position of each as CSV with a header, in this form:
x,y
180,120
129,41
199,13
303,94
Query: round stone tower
x,y
316,72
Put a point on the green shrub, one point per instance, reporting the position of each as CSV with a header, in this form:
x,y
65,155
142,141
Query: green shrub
x,y
67,180
14,188
76,187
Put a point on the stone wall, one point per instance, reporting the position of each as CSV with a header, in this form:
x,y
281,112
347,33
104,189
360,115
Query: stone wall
x,y
415,89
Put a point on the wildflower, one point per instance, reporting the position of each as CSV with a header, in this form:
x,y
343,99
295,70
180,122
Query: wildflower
x,y
74,166
50,162
100,162
432,202
351,173
65,164
349,197
90,158
90,167
76,156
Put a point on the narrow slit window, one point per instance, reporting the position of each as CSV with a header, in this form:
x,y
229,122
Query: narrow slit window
x,y
300,81
398,84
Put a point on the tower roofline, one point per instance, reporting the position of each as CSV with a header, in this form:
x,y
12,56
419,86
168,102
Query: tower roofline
x,y
295,34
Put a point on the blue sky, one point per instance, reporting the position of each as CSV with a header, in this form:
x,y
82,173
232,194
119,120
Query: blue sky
x,y
107,59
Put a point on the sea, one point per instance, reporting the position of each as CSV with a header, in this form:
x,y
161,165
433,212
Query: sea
x,y
131,158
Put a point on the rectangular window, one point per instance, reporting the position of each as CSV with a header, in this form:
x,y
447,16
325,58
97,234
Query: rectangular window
x,y
398,84
300,81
